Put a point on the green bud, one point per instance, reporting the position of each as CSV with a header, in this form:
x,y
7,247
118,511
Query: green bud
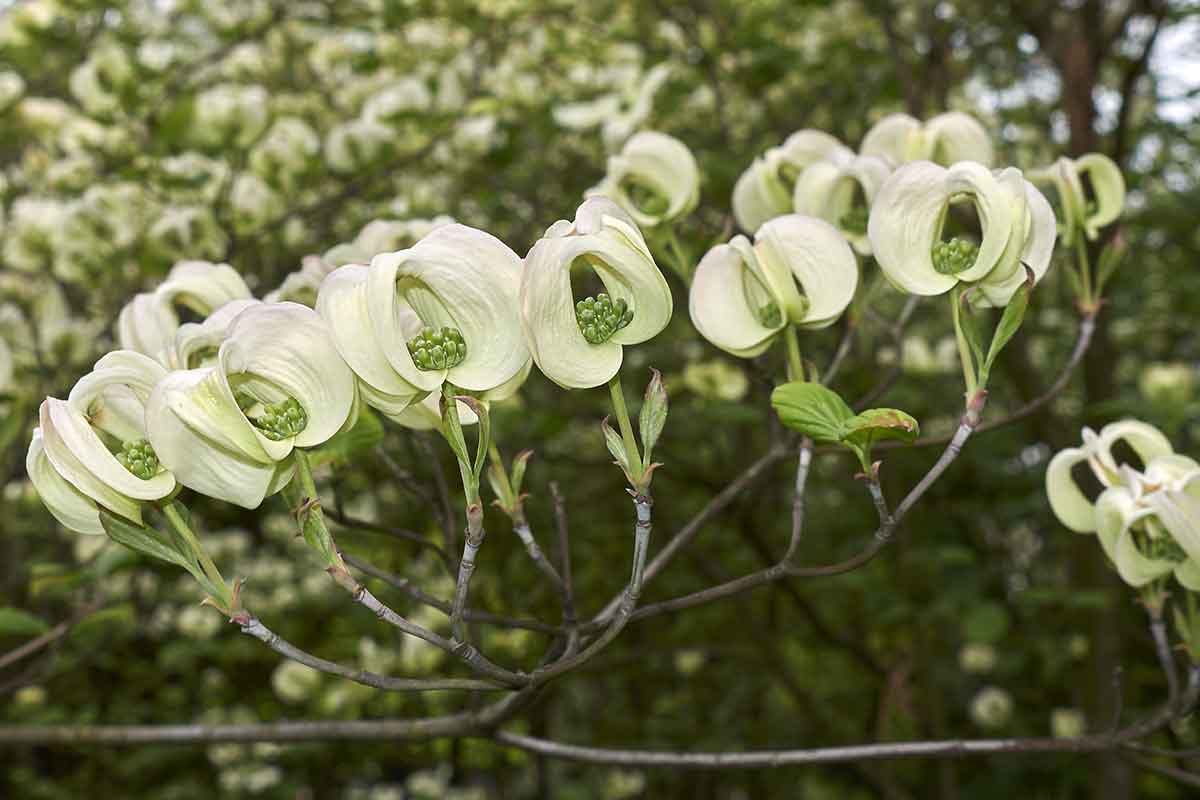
x,y
770,315
955,256
600,317
437,349
854,221
281,420
138,457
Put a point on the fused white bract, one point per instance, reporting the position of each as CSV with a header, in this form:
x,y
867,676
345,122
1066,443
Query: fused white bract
x,y
458,279
1078,215
800,270
654,178
605,240
765,190
226,430
840,190
944,139
909,214
148,323
73,459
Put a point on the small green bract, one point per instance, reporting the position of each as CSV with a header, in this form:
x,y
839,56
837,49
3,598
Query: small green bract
x,y
138,457
437,349
954,256
281,420
600,317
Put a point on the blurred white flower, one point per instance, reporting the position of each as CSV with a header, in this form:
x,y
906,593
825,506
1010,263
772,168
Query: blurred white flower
x,y
12,86
198,622
991,708
187,232
1067,723
293,682
944,139
766,189
716,379
231,114
840,190
254,203
356,144
977,659
1081,210
286,150
1168,384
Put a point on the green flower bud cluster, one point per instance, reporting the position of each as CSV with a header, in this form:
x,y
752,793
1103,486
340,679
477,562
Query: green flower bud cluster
x,y
138,457
433,349
281,420
954,256
646,199
1160,545
770,315
855,220
600,317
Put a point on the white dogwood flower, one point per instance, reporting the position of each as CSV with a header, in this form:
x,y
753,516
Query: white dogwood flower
x,y
800,270
278,383
1067,499
908,218
765,190
148,323
91,449
840,190
579,344
1149,526
1068,176
945,139
654,178
442,310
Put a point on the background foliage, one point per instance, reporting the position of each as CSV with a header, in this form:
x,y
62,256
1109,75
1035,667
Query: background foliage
x,y
135,134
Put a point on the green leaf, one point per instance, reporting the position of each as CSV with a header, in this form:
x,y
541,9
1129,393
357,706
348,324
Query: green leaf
x,y
874,424
344,446
1010,321
1110,259
453,432
811,409
653,414
147,541
616,445
519,462
17,622
986,624
969,322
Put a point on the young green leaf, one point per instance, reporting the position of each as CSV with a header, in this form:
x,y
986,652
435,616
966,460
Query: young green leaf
x,y
147,541
616,445
653,414
17,622
1010,321
875,424
811,409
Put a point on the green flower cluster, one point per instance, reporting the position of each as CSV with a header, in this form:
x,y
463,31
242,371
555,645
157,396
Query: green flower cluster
x,y
954,256
138,457
600,317
281,420
432,349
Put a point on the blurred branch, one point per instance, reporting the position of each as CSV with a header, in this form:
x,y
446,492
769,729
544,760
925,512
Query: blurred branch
x,y
251,626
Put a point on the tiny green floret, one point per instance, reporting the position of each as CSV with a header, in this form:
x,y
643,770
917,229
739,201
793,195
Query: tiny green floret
x,y
770,315
138,457
437,349
600,317
855,220
955,256
281,420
